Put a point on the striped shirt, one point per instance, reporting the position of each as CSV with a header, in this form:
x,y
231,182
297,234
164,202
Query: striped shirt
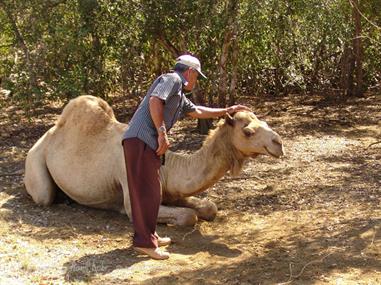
x,y
169,88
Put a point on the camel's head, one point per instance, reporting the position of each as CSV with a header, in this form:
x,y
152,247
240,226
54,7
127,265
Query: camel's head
x,y
253,137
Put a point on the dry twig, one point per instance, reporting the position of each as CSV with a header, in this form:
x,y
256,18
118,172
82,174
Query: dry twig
x,y
242,178
292,277
192,231
10,174
374,236
373,144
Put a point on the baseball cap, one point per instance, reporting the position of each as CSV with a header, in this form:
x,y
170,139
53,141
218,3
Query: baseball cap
x,y
191,61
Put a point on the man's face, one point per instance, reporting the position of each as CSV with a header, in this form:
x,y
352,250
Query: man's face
x,y
191,76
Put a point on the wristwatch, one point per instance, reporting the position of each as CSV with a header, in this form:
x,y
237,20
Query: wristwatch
x,y
162,129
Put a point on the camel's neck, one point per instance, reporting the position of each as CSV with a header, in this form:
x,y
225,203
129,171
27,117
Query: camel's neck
x,y
186,175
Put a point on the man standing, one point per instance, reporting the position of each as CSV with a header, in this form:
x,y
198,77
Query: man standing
x,y
146,140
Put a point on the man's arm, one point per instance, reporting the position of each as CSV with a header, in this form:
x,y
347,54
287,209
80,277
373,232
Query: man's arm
x,y
203,112
156,108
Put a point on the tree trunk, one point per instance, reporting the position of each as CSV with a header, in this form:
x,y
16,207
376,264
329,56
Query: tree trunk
x,y
318,55
156,60
357,48
347,67
222,68
98,86
231,15
125,74
234,62
203,125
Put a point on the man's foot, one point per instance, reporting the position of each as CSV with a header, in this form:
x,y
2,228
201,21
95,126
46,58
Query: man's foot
x,y
163,241
155,253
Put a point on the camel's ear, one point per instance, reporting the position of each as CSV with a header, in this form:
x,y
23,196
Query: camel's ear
x,y
229,120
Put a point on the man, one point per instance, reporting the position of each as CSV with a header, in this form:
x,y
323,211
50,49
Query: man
x,y
146,140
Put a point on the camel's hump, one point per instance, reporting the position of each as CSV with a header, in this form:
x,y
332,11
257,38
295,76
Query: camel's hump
x,y
89,113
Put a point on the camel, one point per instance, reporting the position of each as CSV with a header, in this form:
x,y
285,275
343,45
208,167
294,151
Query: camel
x,y
82,155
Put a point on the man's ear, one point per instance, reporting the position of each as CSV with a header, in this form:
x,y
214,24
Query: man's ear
x,y
188,71
229,120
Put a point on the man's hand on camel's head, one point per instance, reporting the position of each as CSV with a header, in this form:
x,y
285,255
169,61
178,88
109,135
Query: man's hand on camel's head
x,y
236,108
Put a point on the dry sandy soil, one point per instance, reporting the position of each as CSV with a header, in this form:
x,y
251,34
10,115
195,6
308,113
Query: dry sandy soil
x,y
312,217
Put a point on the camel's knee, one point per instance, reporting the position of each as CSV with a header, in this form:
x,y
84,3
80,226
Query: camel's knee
x,y
43,200
207,210
41,188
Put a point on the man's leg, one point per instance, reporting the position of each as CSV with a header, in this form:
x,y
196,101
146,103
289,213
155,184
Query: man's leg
x,y
142,166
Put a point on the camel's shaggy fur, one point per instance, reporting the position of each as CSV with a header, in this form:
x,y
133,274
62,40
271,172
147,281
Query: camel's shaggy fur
x,y
83,156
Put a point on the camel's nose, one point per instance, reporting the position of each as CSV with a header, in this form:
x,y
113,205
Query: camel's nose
x,y
278,141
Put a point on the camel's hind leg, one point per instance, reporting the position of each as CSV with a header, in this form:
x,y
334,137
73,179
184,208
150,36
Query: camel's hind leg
x,y
205,209
38,181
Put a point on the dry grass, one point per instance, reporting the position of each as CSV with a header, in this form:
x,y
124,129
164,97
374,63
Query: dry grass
x,y
313,217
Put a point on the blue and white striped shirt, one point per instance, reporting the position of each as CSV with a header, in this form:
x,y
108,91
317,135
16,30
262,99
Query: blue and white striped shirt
x,y
169,88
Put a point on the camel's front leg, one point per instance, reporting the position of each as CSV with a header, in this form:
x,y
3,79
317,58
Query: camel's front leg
x,y
177,216
205,209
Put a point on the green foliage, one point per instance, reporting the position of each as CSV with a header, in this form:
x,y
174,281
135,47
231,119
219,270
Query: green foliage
x,y
101,46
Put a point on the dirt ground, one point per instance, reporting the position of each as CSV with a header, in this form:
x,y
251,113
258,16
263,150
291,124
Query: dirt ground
x,y
312,217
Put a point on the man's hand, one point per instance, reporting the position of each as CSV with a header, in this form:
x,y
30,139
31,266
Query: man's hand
x,y
163,143
236,108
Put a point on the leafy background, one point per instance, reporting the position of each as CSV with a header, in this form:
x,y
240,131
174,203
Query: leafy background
x,y
63,48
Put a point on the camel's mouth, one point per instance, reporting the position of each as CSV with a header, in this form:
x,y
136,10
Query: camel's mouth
x,y
254,155
271,154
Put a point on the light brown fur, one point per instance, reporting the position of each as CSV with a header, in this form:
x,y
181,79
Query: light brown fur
x,y
83,156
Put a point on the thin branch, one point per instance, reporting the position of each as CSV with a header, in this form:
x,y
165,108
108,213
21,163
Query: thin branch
x,y
362,15
377,142
366,37
11,174
374,236
293,277
168,45
15,28
53,4
241,178
192,231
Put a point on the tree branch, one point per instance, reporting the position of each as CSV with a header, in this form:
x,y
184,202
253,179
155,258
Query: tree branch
x,y
362,15
168,46
20,41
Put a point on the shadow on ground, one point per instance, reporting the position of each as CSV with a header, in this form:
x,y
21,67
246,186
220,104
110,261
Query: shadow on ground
x,y
88,266
312,258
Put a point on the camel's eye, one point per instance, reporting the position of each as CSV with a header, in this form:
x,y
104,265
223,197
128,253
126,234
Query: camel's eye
x,y
248,132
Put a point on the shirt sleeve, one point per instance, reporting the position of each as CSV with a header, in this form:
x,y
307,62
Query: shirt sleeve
x,y
188,106
165,87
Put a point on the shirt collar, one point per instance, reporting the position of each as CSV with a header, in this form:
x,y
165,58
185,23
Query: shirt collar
x,y
183,80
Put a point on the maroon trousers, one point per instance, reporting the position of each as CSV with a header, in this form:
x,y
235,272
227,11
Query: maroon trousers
x,y
142,166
